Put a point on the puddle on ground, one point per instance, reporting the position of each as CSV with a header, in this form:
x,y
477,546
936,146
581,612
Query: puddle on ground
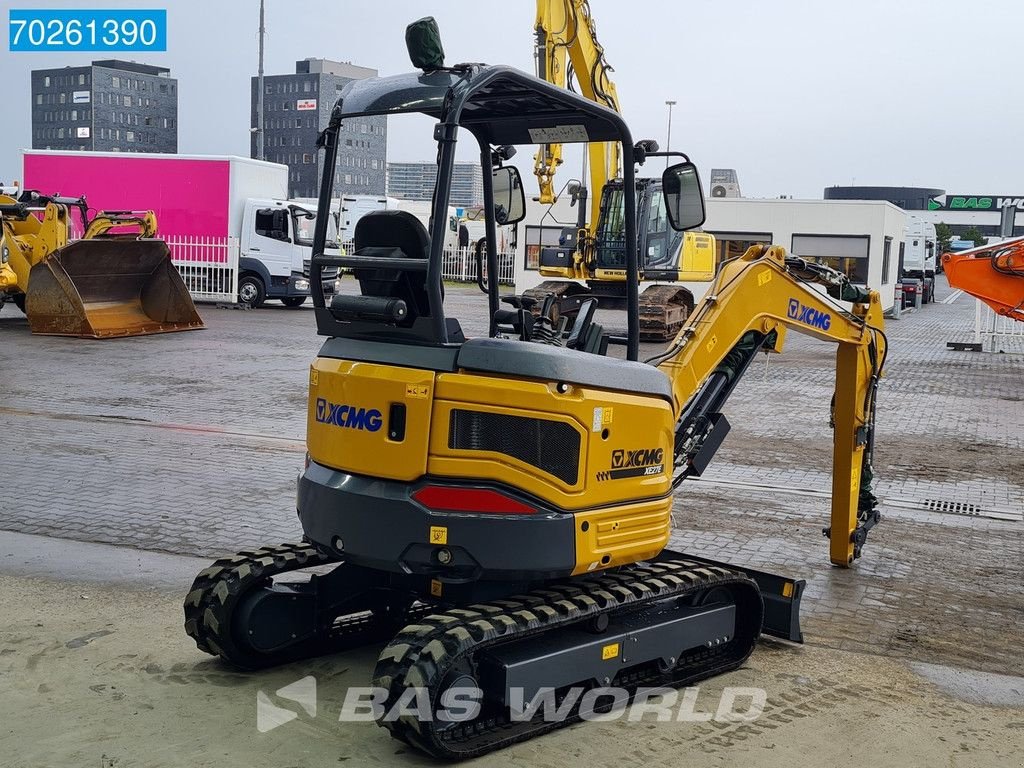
x,y
974,687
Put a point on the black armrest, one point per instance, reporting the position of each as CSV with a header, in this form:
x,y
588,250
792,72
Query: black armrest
x,y
373,308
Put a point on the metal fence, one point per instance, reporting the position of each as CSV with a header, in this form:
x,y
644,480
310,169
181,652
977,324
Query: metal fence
x,y
996,333
459,265
208,265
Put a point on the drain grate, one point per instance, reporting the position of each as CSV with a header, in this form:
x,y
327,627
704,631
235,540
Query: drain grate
x,y
952,507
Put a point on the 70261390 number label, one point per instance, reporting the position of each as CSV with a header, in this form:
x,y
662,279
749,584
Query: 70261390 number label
x,y
46,29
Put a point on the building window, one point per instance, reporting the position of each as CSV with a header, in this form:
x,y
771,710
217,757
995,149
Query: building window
x,y
129,135
848,254
163,87
74,115
305,87
39,98
46,81
115,81
886,257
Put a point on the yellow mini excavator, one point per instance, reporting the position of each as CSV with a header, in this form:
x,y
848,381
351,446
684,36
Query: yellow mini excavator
x,y
497,509
115,281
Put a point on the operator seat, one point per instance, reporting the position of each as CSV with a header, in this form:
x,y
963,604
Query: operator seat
x,y
394,234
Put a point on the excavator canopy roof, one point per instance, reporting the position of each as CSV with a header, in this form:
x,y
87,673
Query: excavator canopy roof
x,y
498,104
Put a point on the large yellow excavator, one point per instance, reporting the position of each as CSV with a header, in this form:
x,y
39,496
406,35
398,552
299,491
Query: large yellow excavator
x,y
497,509
567,52
117,280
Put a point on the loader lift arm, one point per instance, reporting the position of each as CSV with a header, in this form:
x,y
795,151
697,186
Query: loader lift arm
x,y
754,300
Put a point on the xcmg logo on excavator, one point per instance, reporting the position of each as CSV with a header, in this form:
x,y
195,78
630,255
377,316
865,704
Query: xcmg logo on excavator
x,y
809,315
341,415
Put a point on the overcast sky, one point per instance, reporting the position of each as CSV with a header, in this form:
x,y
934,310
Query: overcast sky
x,y
794,95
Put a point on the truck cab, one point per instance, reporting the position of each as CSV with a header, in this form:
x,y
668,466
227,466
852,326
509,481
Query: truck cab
x,y
275,249
919,255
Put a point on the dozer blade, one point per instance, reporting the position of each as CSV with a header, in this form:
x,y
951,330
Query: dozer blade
x,y
105,288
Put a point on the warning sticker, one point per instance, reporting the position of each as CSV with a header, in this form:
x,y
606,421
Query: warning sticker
x,y
438,534
610,651
602,418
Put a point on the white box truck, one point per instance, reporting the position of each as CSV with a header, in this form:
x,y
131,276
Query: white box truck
x,y
207,199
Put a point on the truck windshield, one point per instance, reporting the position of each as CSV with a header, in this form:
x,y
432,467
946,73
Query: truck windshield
x,y
304,224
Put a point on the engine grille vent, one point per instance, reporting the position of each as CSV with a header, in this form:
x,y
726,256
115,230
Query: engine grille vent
x,y
551,446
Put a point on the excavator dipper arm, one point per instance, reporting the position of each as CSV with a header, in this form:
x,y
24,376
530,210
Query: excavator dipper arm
x,y
753,301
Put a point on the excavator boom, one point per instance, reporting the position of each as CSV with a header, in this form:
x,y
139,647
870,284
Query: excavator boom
x,y
567,51
753,301
992,273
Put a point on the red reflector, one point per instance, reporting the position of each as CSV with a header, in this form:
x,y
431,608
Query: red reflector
x,y
470,500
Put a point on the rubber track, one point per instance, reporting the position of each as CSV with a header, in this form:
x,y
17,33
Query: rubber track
x,y
422,654
218,589
654,304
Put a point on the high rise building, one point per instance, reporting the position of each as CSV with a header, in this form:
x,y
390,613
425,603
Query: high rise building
x,y
109,105
297,107
415,181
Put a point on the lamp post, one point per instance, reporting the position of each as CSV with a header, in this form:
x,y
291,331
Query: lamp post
x,y
259,94
668,139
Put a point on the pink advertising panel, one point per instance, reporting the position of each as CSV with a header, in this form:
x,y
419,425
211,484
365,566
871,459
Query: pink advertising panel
x,y
189,197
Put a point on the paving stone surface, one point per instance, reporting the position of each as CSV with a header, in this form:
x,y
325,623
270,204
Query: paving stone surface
x,y
191,443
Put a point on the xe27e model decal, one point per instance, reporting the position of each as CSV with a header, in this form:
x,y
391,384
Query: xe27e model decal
x,y
638,463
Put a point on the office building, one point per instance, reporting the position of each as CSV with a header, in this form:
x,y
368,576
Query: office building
x,y
961,211
415,181
107,106
296,107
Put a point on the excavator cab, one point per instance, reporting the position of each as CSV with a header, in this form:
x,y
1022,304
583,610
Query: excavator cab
x,y
115,281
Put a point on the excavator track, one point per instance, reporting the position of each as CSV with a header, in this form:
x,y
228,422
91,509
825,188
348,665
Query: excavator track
x,y
450,645
663,310
213,615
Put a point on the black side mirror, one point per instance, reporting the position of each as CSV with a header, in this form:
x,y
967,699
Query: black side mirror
x,y
509,197
684,197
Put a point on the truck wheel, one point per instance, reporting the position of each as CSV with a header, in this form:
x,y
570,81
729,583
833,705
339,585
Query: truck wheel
x,y
294,302
251,291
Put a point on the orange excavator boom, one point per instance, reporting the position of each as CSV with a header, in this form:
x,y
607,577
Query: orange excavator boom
x,y
992,273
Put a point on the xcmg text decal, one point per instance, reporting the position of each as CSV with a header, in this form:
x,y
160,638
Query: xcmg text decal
x,y
808,315
642,462
341,415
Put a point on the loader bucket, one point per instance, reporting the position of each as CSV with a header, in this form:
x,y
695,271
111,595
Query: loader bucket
x,y
104,288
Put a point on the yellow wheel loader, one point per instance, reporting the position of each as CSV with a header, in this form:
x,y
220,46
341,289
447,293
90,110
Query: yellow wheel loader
x,y
111,283
497,509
